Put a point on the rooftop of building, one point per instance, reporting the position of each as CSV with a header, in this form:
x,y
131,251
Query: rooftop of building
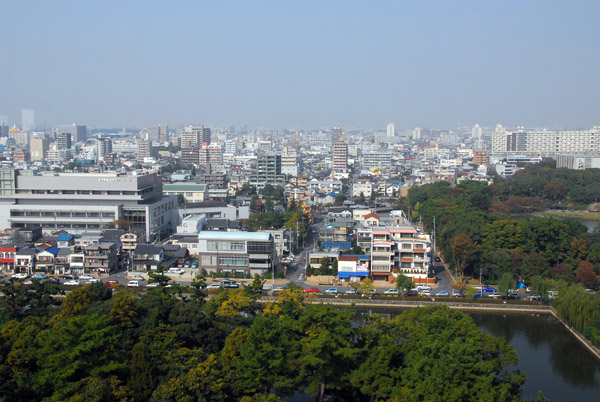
x,y
214,235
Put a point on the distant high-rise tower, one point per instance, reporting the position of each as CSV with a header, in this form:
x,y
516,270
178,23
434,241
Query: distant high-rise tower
x,y
336,134
195,135
27,119
416,134
145,150
340,156
153,133
104,147
476,132
63,141
38,148
391,130
78,133
164,133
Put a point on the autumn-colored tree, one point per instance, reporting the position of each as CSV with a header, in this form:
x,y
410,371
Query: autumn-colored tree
x,y
586,276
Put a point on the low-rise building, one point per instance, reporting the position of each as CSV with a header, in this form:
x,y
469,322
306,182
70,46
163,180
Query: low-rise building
x,y
236,252
101,258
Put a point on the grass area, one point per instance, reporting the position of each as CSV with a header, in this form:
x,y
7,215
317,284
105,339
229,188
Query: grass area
x,y
592,216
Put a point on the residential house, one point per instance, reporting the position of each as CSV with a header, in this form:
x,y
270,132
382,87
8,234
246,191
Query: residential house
x,y
101,258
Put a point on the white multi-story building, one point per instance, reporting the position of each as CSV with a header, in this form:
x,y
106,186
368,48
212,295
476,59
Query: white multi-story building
x,y
545,143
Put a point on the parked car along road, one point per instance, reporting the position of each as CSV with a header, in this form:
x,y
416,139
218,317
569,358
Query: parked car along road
x,y
391,292
133,284
332,291
411,292
443,293
311,290
111,282
72,282
20,275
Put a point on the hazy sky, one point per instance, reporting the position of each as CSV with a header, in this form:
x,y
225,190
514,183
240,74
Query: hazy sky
x,y
302,63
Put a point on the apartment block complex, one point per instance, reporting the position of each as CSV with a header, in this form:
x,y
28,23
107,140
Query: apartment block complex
x,y
545,143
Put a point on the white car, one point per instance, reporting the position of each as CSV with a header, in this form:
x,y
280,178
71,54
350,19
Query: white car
x,y
133,284
152,285
176,271
86,277
138,277
214,286
93,280
278,289
20,275
391,292
72,282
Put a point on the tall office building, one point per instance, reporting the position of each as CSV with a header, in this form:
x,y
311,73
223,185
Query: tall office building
x,y
268,170
164,133
38,148
195,135
63,141
145,150
104,147
153,133
336,134
416,134
340,156
3,129
78,133
27,119
476,132
391,130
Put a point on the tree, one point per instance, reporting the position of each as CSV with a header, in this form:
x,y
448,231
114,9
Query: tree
x,y
327,348
334,267
142,379
366,285
403,283
562,271
339,199
434,354
506,283
159,277
463,252
361,198
586,276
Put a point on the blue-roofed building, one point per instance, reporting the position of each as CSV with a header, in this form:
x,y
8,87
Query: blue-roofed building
x,y
353,267
342,245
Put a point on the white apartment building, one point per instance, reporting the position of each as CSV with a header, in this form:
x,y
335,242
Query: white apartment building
x,y
545,143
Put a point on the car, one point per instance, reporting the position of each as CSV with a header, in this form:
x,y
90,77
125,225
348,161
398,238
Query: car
x,y
138,277
152,285
425,293
457,293
423,287
194,266
391,292
352,292
227,281
85,277
72,282
94,280
28,282
39,276
495,295
55,281
438,259
214,286
488,289
277,289
411,292
332,291
311,290
478,294
20,275
232,286
133,284
443,293
174,270
112,282
69,277
534,298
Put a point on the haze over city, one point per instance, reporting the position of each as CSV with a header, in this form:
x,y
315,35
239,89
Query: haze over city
x,y
301,64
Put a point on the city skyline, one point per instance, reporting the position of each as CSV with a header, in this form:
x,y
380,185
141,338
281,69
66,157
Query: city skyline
x,y
302,65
